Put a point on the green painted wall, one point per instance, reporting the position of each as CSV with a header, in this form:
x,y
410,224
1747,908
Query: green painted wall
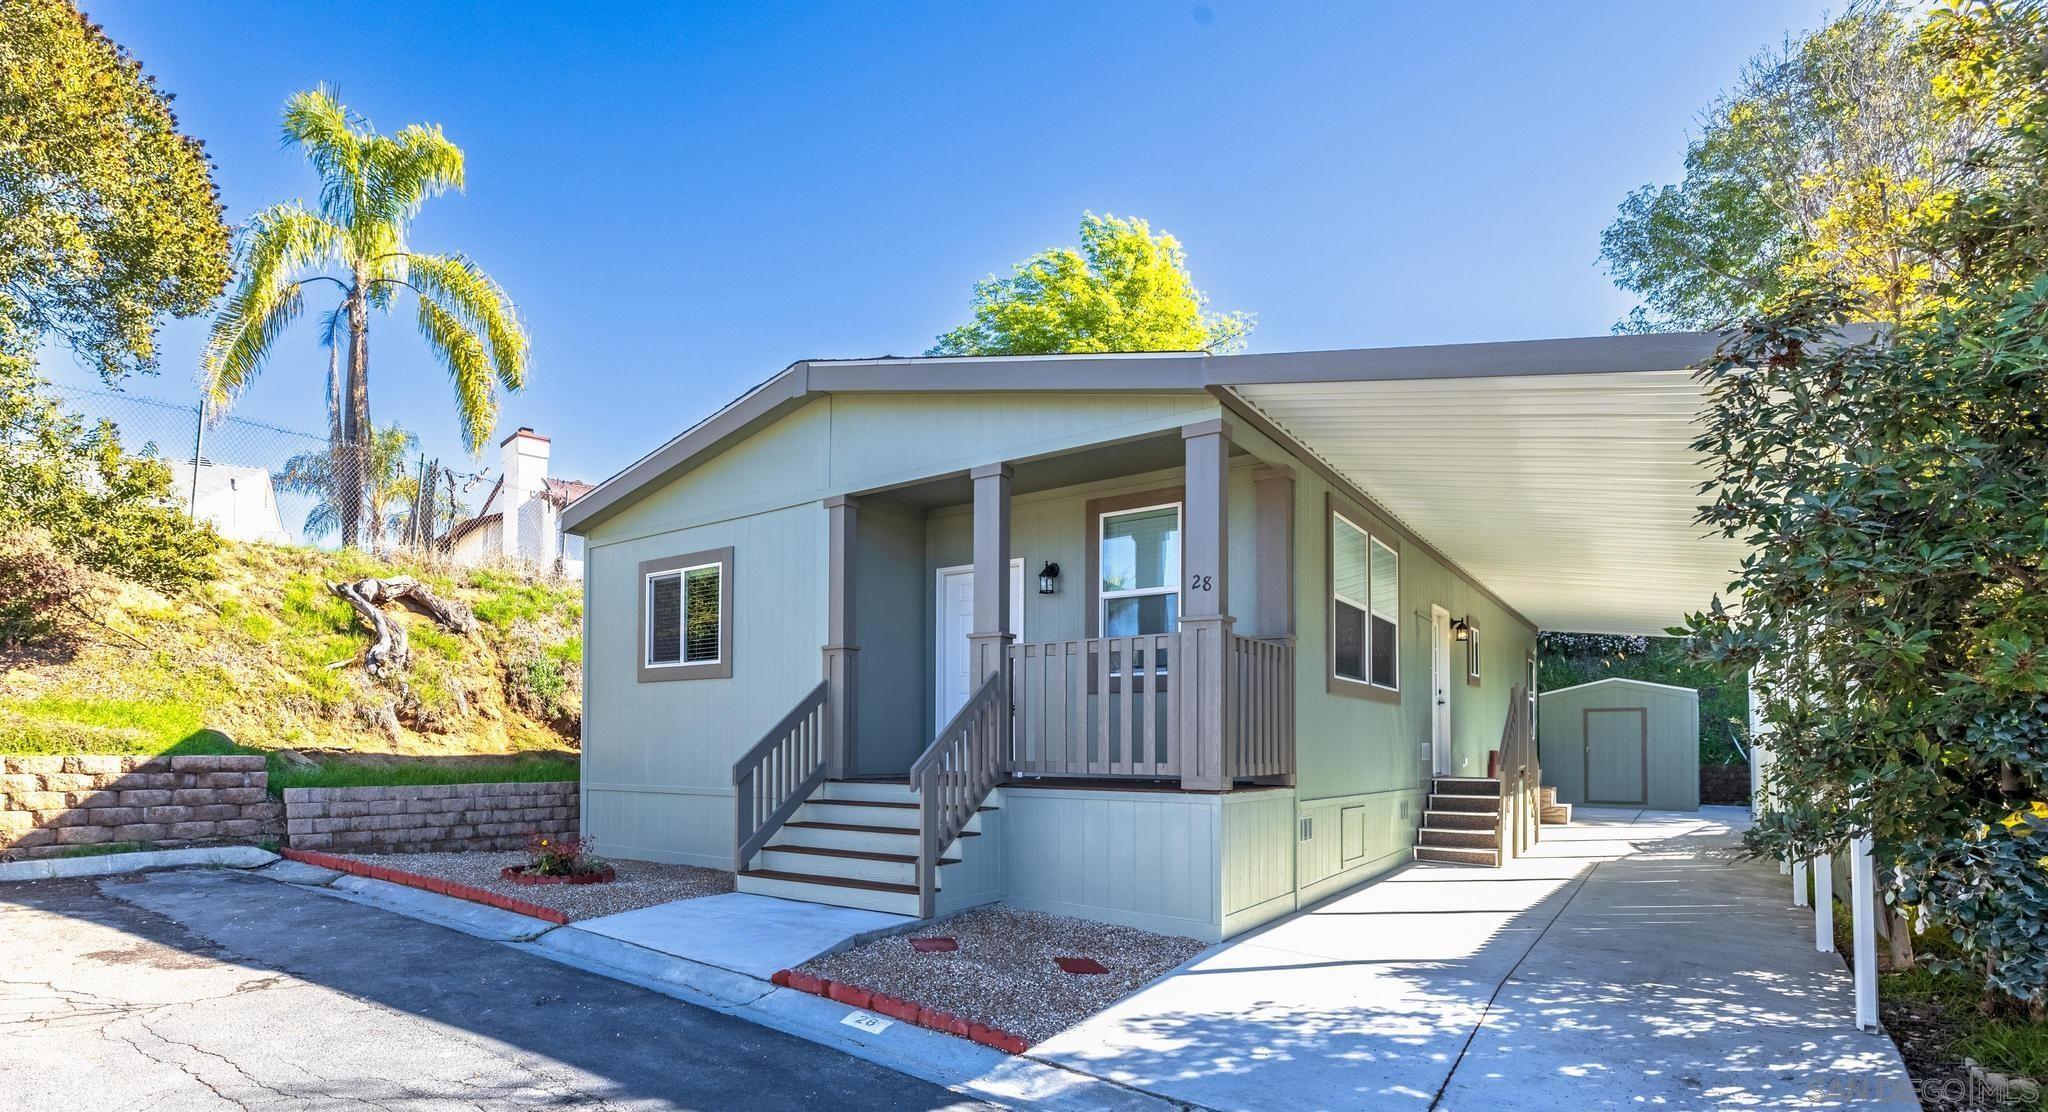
x,y
1371,758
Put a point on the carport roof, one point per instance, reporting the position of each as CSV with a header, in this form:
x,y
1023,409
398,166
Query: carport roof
x,y
1556,472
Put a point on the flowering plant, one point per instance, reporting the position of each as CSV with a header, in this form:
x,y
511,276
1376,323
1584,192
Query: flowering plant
x,y
553,856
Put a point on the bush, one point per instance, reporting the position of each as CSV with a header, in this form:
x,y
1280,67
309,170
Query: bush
x,y
41,591
99,505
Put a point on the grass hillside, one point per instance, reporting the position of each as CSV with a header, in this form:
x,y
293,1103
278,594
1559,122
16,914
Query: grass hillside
x,y
265,658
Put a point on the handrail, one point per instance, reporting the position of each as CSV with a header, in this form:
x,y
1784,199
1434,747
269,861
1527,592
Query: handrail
x,y
954,776
1518,787
775,777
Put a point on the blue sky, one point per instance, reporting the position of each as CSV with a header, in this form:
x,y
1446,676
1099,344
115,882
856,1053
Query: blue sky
x,y
685,198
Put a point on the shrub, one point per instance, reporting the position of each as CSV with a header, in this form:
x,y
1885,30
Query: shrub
x,y
553,856
41,591
99,505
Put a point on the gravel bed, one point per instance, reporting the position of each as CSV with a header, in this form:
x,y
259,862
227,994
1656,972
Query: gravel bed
x,y
1003,973
639,883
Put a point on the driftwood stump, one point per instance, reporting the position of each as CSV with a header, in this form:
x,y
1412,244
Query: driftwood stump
x,y
390,650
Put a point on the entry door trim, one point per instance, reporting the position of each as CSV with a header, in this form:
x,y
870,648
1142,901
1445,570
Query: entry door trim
x,y
1586,734
1439,691
939,708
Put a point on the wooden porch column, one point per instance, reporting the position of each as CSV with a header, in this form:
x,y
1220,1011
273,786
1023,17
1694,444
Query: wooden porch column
x,y
841,654
989,642
1203,678
1273,496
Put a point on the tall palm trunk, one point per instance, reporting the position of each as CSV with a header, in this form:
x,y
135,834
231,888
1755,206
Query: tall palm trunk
x,y
356,421
337,432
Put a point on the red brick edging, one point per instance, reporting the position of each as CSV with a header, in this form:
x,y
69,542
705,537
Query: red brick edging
x,y
427,883
905,1010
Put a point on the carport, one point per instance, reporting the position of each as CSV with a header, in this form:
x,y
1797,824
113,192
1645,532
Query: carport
x,y
1558,472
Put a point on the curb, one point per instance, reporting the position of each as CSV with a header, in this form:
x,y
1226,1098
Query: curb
x,y
909,1011
426,883
58,868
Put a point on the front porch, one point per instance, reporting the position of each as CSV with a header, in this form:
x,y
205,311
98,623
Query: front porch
x,y
1124,665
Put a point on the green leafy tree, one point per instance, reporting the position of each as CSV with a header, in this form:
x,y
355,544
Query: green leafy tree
x,y
1820,166
108,214
1124,289
100,506
371,188
108,221
1895,496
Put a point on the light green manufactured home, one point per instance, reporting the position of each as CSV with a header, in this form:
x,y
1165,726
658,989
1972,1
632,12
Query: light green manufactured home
x,y
1131,637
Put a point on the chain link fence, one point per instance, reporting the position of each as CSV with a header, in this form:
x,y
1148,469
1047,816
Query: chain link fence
x,y
261,482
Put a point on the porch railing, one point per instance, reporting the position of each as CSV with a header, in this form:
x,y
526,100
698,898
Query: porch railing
x,y
1521,778
954,776
1262,733
777,775
1097,706
1102,707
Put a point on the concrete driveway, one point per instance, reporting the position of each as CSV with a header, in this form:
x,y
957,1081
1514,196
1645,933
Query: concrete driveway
x,y
1630,960
202,989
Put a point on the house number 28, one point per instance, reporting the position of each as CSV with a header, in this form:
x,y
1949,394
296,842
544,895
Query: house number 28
x,y
1201,583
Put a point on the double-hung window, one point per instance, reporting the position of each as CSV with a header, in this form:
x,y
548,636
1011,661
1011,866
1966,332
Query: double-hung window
x,y
1365,609
685,616
1140,566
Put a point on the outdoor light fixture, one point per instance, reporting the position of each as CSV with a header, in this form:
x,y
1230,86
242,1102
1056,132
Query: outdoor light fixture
x,y
1461,630
1049,578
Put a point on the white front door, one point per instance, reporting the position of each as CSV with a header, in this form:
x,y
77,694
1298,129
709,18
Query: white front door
x,y
1440,690
955,622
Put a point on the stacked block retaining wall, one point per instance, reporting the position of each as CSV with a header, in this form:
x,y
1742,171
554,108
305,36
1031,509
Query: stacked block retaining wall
x,y
52,806
429,818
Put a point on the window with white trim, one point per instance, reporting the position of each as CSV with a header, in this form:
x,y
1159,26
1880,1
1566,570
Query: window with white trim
x,y
1140,570
1365,576
684,616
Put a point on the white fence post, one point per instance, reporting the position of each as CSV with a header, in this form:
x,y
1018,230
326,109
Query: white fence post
x,y
1824,904
1799,882
1863,930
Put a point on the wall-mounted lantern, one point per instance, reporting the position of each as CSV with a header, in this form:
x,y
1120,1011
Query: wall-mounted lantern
x,y
1461,630
1049,578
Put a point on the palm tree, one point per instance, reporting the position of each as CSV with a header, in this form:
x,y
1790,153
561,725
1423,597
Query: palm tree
x,y
371,188
387,484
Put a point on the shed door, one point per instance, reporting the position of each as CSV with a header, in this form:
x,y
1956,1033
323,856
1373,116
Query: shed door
x,y
1617,755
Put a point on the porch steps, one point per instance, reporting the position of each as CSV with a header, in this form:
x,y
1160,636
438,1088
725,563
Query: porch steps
x,y
1461,822
1552,813
852,844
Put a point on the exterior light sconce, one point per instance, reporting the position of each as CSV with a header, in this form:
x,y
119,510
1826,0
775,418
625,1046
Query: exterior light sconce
x,y
1461,630
1049,578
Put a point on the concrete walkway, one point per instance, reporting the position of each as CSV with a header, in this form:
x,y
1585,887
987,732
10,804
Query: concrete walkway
x,y
744,933
1628,961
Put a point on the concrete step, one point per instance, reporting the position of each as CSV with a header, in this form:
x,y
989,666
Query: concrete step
x,y
873,790
896,899
888,868
1457,856
1556,814
1461,820
1474,804
871,838
869,812
1438,838
1466,785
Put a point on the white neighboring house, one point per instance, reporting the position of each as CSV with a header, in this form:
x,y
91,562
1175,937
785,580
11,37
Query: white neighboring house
x,y
239,502
521,519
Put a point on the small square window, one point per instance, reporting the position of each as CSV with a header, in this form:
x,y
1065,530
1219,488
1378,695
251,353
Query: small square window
x,y
685,621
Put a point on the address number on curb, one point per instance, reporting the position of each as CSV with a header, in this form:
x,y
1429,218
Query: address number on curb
x,y
868,1021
